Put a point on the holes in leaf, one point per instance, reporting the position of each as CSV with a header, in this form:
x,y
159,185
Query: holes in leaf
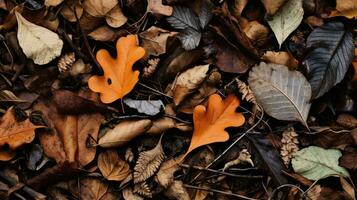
x,y
109,81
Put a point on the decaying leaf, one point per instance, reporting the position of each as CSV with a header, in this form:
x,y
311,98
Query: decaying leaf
x,y
148,107
329,60
210,122
112,167
124,132
283,94
119,78
244,156
14,133
315,163
109,9
188,81
286,20
281,58
156,7
148,163
38,43
154,40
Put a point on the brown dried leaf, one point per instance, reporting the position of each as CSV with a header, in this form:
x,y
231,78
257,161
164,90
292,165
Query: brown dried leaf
x,y
14,133
68,13
143,189
349,161
148,163
53,3
188,81
165,175
92,189
348,188
105,33
281,58
128,194
112,167
256,32
177,191
156,7
272,6
124,132
347,121
153,40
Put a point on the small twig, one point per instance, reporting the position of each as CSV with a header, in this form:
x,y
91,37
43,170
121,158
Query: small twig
x,y
218,191
220,172
152,89
29,191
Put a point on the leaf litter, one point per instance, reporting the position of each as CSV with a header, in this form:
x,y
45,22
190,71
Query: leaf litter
x,y
175,99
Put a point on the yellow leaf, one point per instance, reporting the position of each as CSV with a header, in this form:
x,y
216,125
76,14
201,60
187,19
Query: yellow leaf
x,y
210,122
119,78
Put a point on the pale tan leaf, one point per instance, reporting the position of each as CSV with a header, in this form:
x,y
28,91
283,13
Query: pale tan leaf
x,y
128,194
244,156
68,13
148,163
112,167
165,175
286,20
143,189
349,189
188,81
38,43
115,18
177,191
124,132
8,96
103,34
281,58
53,3
156,7
153,40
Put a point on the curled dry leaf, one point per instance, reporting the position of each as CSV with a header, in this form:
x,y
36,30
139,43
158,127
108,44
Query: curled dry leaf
x,y
109,9
38,43
210,122
14,133
154,39
244,156
156,7
124,132
119,78
112,167
148,163
188,81
286,20
281,58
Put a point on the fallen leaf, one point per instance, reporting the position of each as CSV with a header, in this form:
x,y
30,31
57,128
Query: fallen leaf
x,y
154,39
281,58
329,60
283,94
347,8
315,163
256,32
109,9
165,175
348,188
124,132
187,82
348,161
8,96
119,78
112,167
156,7
166,123
92,189
244,156
143,189
148,163
53,3
210,122
104,34
148,107
38,43
68,13
128,194
286,20
13,134
272,6
177,191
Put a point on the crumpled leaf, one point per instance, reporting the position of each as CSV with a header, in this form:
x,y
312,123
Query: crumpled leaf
x,y
153,40
283,94
281,58
148,107
315,163
119,78
148,163
109,9
286,20
124,132
14,133
329,60
38,43
210,122
188,81
156,7
112,167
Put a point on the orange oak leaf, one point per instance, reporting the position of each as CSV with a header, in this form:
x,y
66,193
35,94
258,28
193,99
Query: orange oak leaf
x,y
14,134
209,124
119,78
